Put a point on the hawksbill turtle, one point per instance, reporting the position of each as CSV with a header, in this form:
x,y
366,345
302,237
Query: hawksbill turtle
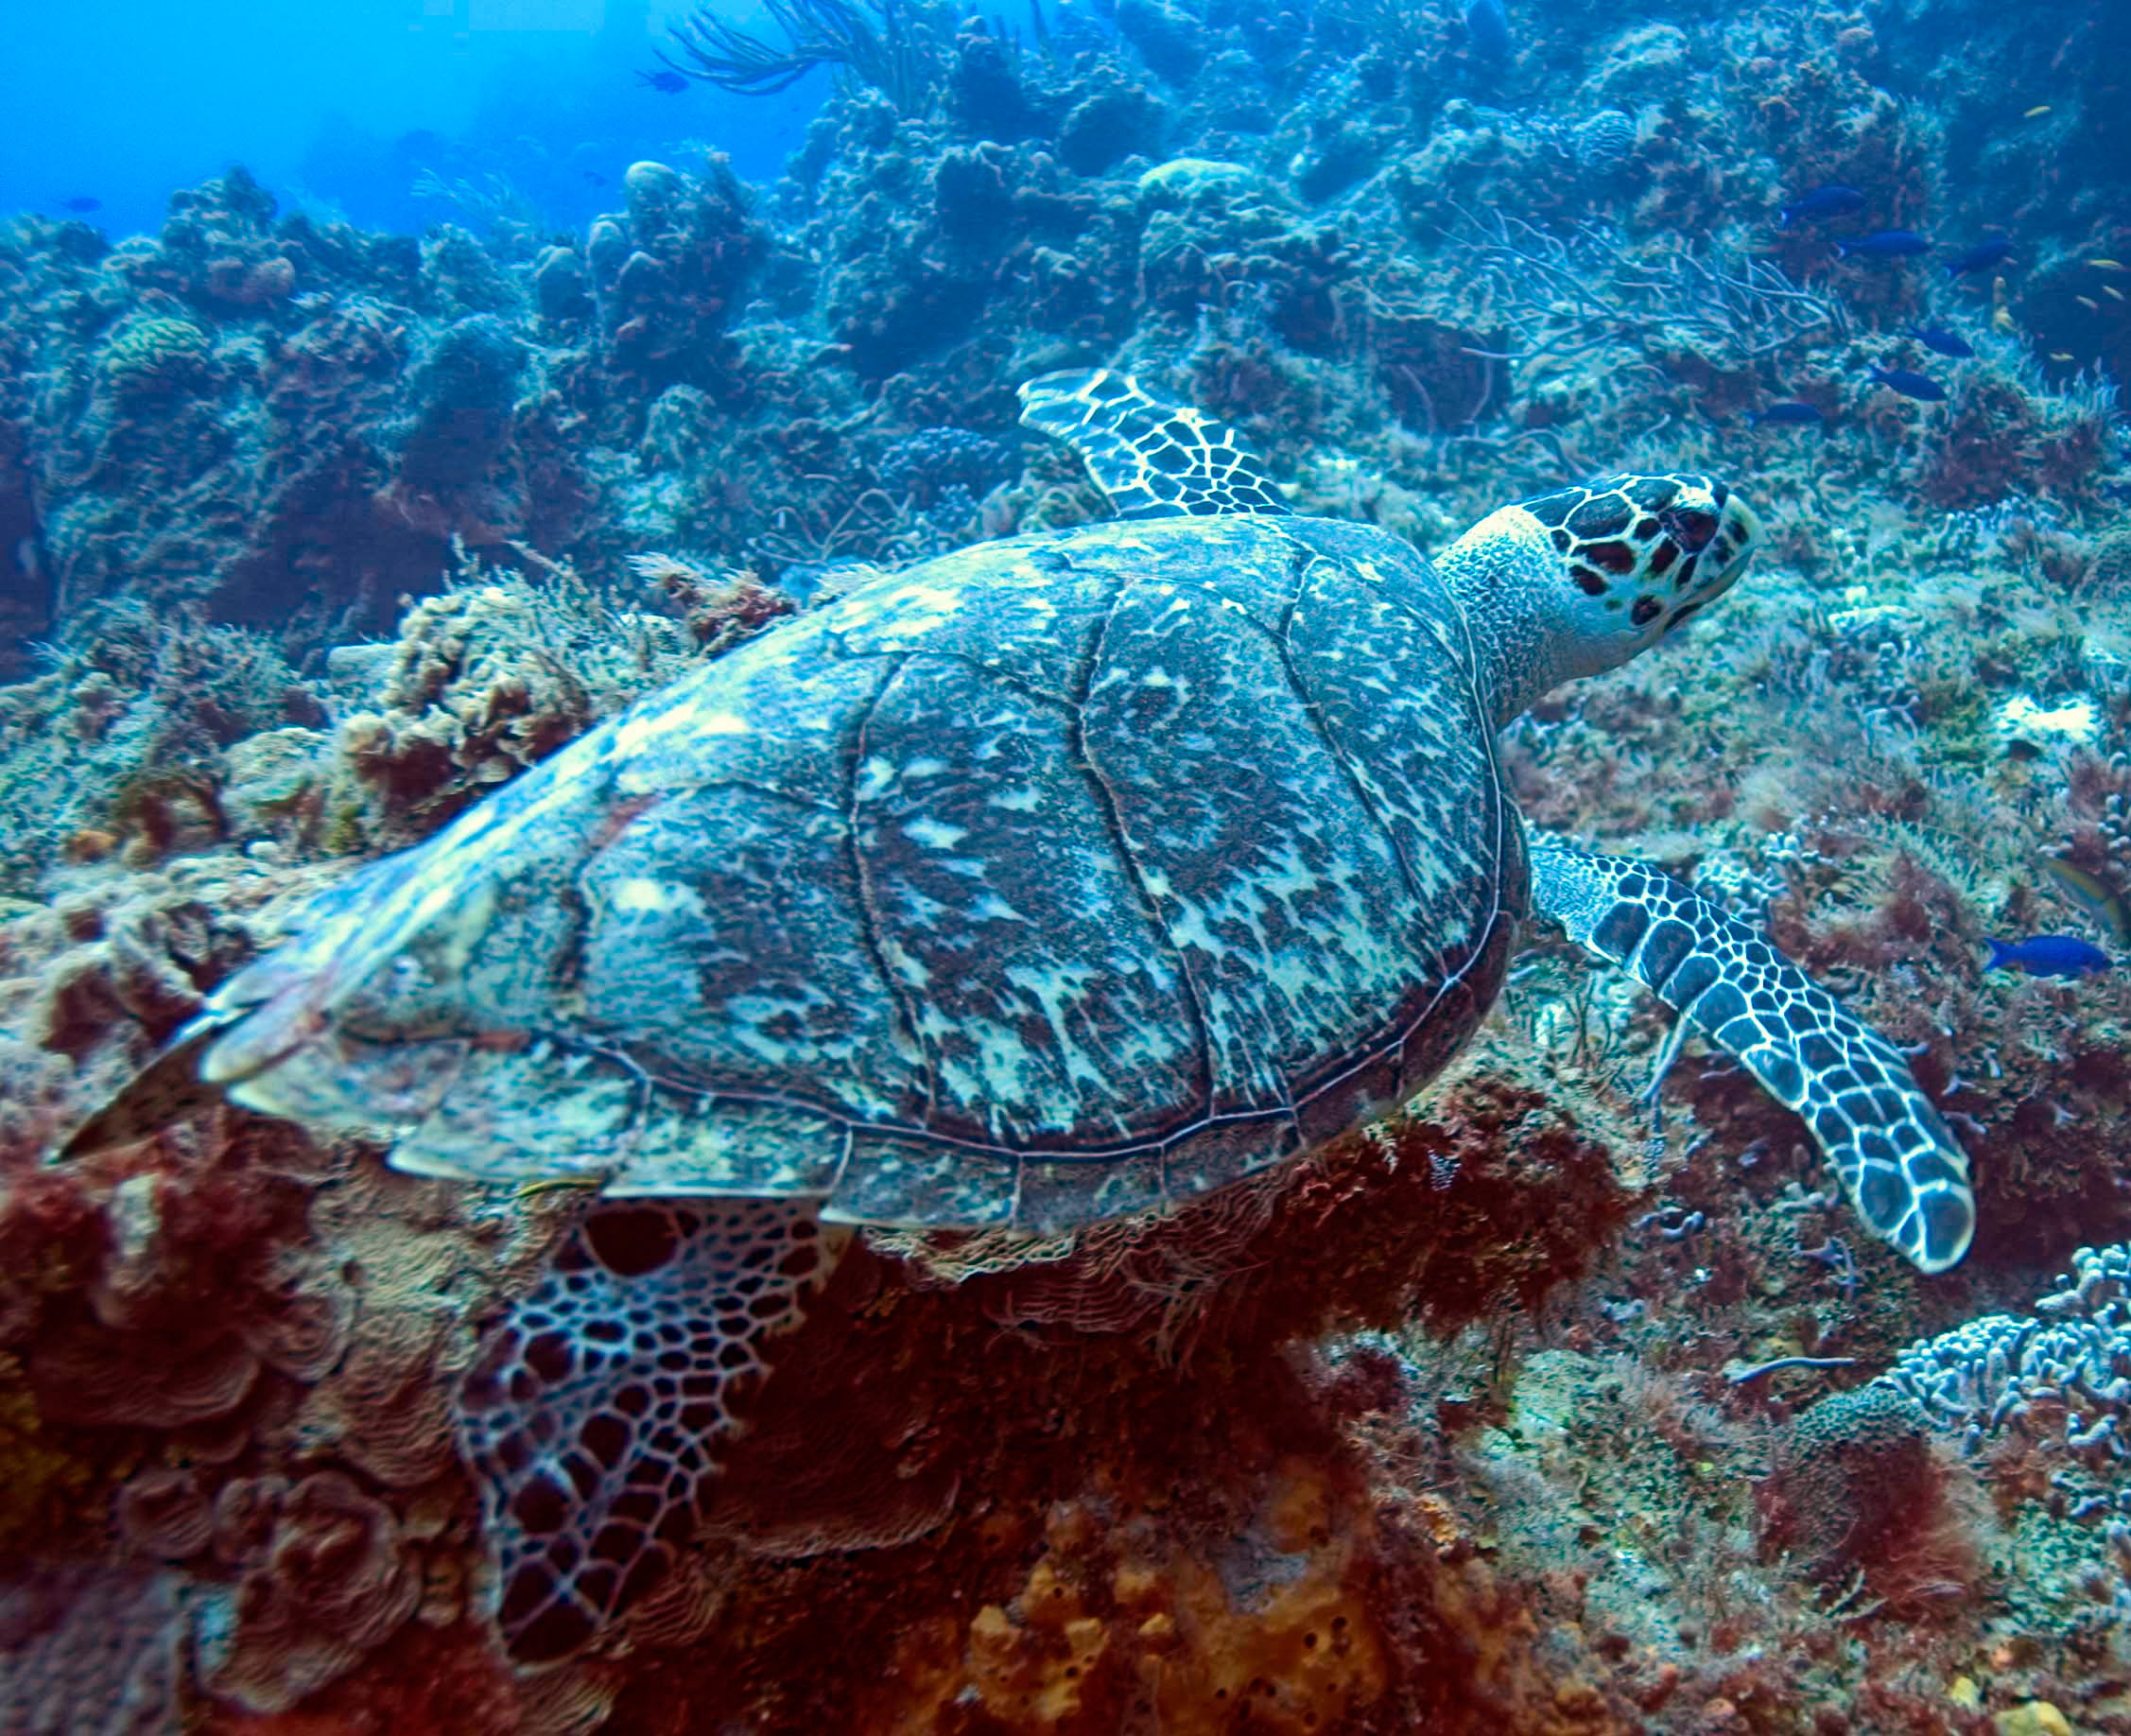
x,y
1060,877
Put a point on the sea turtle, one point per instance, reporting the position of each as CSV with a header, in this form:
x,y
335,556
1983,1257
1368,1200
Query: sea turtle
x,y
1065,877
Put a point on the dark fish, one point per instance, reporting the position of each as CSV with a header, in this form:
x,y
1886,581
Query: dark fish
x,y
81,203
2049,955
1919,386
1980,257
665,79
1790,414
1489,27
1884,244
1944,342
1834,199
594,176
2093,897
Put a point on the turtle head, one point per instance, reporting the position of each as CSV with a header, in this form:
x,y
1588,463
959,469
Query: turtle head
x,y
1581,580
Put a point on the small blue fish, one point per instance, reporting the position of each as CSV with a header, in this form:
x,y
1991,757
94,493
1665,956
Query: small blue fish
x,y
1790,414
1489,27
1980,257
2049,955
672,83
1884,244
1833,200
594,176
1944,342
1921,387
82,204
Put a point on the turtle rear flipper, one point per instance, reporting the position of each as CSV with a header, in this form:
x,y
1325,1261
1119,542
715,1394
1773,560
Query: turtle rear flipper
x,y
1904,1174
1152,459
604,1403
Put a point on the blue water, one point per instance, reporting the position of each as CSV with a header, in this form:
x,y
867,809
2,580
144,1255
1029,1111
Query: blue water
x,y
339,107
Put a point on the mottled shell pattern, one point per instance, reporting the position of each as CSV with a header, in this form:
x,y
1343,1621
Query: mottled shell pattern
x,y
1057,878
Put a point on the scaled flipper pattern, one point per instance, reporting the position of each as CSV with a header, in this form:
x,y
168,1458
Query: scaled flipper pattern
x,y
1152,460
602,1404
1905,1175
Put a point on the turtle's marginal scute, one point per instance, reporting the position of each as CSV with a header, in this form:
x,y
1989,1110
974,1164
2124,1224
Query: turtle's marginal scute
x,y
168,1090
265,1013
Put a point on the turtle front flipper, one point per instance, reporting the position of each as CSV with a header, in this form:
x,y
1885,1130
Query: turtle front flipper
x,y
1904,1174
602,1404
1152,459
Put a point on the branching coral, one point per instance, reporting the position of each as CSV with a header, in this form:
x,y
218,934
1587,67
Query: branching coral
x,y
2063,1374
1564,294
486,678
897,46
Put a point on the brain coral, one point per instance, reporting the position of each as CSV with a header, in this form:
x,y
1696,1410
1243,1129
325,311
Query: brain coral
x,y
151,357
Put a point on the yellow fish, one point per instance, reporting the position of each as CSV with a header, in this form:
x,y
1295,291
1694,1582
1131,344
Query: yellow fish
x,y
533,1188
2088,302
2107,265
2113,293
2092,896
2040,109
2061,356
2001,320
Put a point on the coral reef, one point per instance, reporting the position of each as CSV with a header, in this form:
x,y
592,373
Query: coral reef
x,y
90,1652
1530,1410
485,679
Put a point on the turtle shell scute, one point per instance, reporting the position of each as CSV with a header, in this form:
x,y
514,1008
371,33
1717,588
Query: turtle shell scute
x,y
1048,881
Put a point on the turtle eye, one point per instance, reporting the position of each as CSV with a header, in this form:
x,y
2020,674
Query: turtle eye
x,y
1690,527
